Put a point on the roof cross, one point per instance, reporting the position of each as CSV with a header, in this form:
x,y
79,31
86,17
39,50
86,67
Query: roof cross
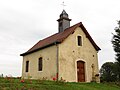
x,y
63,4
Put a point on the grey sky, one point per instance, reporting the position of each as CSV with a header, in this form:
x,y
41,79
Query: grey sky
x,y
24,22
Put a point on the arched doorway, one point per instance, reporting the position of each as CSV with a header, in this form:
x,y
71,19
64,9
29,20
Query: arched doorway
x,y
81,71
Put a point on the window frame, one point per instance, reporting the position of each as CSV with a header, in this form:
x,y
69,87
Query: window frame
x,y
27,66
79,40
40,64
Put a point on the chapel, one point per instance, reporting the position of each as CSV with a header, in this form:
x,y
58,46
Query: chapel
x,y
70,55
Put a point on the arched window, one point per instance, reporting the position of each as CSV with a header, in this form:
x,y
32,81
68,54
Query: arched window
x,y
27,66
40,64
79,39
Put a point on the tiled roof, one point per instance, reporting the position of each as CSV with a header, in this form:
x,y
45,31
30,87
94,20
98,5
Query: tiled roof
x,y
58,38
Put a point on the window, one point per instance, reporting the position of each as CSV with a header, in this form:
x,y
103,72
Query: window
x,y
27,66
40,64
79,41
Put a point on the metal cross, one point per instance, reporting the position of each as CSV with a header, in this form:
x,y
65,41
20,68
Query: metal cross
x,y
63,5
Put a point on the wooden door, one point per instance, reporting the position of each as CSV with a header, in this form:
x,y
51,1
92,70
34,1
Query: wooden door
x,y
80,71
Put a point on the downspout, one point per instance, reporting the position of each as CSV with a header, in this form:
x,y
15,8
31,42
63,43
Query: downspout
x,y
57,62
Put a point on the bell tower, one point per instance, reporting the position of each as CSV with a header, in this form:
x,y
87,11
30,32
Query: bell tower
x,y
63,21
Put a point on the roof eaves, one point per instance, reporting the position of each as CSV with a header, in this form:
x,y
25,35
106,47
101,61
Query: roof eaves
x,y
29,52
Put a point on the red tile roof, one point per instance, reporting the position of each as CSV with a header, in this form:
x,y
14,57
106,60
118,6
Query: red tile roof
x,y
58,38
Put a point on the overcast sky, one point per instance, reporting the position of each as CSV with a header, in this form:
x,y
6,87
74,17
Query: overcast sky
x,y
24,22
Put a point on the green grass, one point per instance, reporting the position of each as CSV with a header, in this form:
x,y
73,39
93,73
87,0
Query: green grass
x,y
15,84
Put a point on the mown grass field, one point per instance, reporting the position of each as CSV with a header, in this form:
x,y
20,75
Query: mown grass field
x,y
17,84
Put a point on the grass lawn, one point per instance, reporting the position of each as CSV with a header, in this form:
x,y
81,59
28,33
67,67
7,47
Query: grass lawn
x,y
17,84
